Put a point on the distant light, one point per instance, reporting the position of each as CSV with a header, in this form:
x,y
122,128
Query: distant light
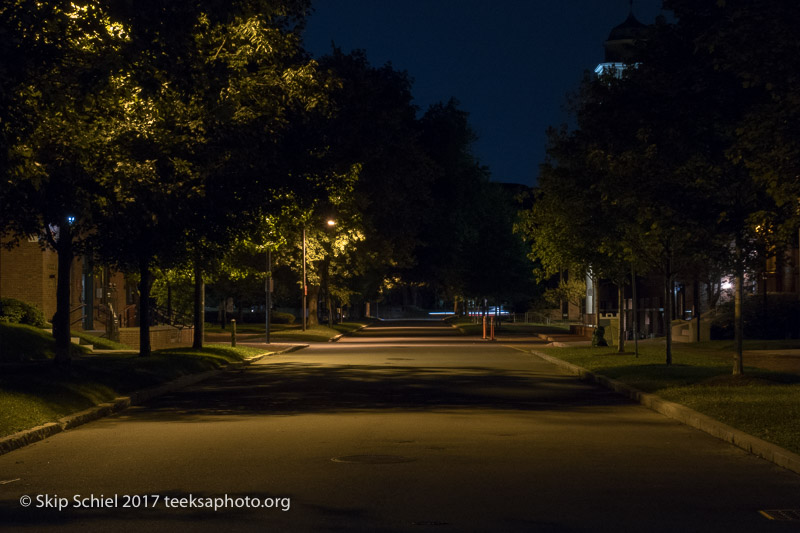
x,y
70,220
617,68
331,222
727,285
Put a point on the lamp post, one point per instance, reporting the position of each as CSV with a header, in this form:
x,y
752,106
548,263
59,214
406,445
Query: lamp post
x,y
330,223
305,287
268,288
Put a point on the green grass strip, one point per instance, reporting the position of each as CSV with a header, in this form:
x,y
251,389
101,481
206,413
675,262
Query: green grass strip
x,y
20,342
100,343
35,391
761,402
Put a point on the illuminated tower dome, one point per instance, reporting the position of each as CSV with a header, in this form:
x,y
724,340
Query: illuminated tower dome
x,y
620,44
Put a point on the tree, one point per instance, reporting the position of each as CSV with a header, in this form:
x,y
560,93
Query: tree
x,y
374,125
450,232
217,138
56,108
579,221
754,41
711,111
650,144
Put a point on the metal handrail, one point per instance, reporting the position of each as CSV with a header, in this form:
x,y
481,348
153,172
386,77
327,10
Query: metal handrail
x,y
176,320
80,318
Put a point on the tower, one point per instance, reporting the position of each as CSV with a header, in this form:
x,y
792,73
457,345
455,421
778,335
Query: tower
x,y
619,47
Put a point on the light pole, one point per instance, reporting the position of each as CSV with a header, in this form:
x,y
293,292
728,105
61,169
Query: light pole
x,y
268,288
331,223
305,287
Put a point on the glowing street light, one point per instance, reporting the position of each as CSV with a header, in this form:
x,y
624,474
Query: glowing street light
x,y
330,222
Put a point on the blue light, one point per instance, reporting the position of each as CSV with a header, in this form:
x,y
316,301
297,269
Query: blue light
x,y
70,220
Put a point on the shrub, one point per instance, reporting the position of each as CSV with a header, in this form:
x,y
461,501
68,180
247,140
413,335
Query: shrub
x,y
277,317
18,312
774,319
599,337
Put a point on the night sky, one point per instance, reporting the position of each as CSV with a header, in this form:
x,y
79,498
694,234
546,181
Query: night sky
x,y
510,63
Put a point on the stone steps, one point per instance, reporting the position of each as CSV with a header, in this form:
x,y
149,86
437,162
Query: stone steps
x,y
74,340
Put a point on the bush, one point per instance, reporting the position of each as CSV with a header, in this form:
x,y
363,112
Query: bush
x,y
775,319
276,317
599,337
18,312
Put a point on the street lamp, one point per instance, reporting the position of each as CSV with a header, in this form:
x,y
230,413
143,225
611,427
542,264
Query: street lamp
x,y
305,287
268,287
330,222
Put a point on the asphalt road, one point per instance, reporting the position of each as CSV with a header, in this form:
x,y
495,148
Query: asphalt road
x,y
406,427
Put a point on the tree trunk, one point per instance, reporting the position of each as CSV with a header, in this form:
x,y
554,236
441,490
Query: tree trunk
x,y
169,302
144,308
738,323
668,314
596,300
313,305
328,297
199,308
696,289
635,311
61,331
621,304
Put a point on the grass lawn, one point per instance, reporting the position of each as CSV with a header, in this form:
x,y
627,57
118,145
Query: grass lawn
x,y
320,333
763,403
19,342
290,333
469,327
247,327
33,391
100,343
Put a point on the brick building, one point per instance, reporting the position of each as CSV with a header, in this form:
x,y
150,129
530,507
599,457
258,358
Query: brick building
x,y
30,274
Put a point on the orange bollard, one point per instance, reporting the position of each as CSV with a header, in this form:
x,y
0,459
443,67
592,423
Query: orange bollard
x,y
484,326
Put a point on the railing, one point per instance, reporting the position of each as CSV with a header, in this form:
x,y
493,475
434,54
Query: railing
x,y
128,316
161,315
80,318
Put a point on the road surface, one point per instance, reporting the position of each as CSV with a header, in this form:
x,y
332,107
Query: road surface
x,y
405,427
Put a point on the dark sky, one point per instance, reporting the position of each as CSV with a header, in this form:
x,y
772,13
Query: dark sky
x,y
510,63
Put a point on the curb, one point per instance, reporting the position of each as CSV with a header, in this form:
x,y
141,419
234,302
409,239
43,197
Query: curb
x,y
766,450
35,434
340,335
291,349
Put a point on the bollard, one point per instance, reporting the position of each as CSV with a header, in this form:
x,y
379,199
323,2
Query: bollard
x,y
492,326
233,333
484,326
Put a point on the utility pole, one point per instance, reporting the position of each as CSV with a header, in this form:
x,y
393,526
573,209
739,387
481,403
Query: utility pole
x,y
268,287
305,287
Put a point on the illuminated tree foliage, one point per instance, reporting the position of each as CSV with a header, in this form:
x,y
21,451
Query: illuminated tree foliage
x,y
658,152
217,143
152,132
56,109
